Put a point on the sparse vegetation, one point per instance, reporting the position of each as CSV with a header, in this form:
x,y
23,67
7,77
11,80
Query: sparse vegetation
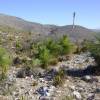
x,y
68,98
66,45
94,48
36,63
48,51
18,45
59,78
5,61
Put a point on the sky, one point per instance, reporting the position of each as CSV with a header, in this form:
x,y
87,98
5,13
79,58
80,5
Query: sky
x,y
58,12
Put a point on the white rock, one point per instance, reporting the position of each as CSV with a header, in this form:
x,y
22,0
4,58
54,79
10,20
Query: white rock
x,y
26,77
41,80
44,98
45,88
87,78
47,93
77,95
51,88
32,77
16,98
72,87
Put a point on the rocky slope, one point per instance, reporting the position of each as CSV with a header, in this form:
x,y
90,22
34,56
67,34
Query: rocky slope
x,y
41,30
80,83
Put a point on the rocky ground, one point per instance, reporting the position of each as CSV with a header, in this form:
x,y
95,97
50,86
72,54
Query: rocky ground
x,y
80,83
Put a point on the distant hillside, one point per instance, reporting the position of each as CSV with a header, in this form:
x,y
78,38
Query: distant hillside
x,y
15,23
96,30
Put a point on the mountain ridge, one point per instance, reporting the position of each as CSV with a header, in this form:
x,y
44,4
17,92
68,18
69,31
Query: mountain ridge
x,y
45,29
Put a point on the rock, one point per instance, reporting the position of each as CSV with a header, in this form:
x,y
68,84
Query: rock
x,y
42,80
91,79
17,60
72,87
21,74
97,90
52,88
17,99
15,94
77,95
62,58
91,96
42,91
32,77
46,91
87,78
11,78
37,72
45,98
51,73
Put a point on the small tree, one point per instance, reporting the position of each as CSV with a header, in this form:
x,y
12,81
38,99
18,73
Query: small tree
x,y
44,56
66,45
53,46
94,48
5,61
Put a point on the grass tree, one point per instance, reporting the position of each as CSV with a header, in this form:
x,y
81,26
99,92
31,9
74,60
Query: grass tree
x,y
5,61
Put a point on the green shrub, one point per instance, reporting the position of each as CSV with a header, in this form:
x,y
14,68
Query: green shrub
x,y
94,48
49,50
5,61
36,63
18,47
53,46
59,78
66,45
44,56
68,98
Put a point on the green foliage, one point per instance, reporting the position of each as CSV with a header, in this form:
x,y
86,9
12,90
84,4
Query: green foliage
x,y
5,61
22,98
49,50
36,62
82,47
53,46
94,48
18,45
59,78
66,45
44,56
68,98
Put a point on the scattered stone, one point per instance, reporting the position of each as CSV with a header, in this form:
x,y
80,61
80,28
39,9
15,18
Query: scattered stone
x,y
72,88
37,84
43,91
77,95
21,74
17,60
45,98
91,96
87,78
15,94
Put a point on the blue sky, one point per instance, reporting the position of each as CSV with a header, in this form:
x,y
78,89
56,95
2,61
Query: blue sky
x,y
58,12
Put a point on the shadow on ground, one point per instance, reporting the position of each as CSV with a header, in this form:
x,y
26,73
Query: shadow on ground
x,y
90,70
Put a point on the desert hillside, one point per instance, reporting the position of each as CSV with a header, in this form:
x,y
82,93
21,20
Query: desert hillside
x,y
15,24
48,62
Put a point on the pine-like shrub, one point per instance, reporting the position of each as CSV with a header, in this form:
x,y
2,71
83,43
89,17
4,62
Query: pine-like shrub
x,y
5,61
